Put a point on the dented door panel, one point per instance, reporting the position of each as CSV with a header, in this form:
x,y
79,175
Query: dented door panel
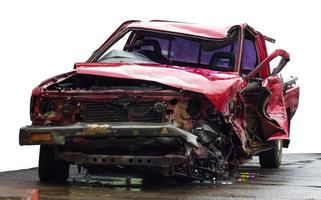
x,y
265,109
276,107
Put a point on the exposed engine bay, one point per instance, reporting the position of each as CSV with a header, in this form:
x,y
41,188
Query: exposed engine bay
x,y
149,103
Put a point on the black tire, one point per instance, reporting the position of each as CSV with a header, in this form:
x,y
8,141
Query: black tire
x,y
273,157
51,170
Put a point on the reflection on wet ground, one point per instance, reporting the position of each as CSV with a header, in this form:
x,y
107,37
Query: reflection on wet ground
x,y
108,181
299,177
245,176
84,186
136,183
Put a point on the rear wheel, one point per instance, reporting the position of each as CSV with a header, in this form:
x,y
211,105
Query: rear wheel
x,y
273,157
51,169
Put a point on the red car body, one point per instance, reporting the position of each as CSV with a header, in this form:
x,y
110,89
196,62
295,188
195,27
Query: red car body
x,y
255,105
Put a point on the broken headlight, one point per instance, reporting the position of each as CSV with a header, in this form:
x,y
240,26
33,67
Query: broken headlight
x,y
46,106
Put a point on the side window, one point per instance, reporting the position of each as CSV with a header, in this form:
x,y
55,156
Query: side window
x,y
249,56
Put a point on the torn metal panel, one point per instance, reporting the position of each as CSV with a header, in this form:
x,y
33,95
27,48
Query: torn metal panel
x,y
276,107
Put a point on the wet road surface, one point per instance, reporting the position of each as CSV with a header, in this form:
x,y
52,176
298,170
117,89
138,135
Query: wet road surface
x,y
298,178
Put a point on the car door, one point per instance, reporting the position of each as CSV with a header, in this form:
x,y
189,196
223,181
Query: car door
x,y
263,95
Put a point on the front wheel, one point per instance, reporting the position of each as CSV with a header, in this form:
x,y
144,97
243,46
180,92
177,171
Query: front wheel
x,y
51,169
273,157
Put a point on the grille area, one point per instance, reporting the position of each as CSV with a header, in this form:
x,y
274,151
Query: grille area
x,y
108,112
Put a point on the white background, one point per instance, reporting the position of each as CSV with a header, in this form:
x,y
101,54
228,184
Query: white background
x,y
39,39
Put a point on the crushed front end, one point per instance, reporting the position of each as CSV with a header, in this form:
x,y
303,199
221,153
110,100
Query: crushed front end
x,y
129,125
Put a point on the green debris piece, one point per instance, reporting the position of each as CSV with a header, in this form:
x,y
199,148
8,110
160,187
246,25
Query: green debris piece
x,y
136,181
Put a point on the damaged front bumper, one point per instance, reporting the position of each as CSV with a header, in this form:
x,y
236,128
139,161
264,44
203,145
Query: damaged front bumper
x,y
57,135
61,135
185,157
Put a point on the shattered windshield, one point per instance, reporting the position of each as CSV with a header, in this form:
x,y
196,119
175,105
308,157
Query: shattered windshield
x,y
173,49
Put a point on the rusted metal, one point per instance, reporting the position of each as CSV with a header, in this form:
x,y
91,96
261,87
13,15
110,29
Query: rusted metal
x,y
105,160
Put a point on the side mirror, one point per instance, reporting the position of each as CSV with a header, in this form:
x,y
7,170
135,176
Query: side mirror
x,y
278,52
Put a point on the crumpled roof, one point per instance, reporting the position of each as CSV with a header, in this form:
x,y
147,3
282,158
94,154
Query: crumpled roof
x,y
183,28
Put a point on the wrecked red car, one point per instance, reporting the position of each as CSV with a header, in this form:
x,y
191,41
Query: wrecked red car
x,y
165,98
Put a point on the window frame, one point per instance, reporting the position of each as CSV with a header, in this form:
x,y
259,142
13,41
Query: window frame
x,y
254,40
133,35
